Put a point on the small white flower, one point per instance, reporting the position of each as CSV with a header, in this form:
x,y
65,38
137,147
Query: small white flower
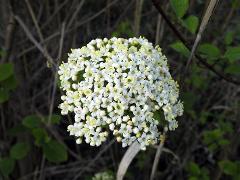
x,y
118,85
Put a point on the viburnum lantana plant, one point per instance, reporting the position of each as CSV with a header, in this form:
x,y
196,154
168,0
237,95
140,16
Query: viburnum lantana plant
x,y
119,86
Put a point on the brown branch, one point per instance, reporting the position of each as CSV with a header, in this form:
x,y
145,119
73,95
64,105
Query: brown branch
x,y
157,156
9,37
186,43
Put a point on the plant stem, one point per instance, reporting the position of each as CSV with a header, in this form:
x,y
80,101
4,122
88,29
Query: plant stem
x,y
157,156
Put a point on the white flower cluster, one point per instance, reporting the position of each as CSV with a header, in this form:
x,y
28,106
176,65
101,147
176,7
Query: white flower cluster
x,y
103,176
121,86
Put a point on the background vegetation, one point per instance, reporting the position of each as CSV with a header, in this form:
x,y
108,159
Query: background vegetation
x,y
35,37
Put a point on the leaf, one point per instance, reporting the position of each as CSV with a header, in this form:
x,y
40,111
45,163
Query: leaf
x,y
198,81
189,100
228,167
194,168
55,152
232,54
180,7
2,53
17,129
235,4
6,70
19,150
181,48
223,142
204,174
10,83
4,95
209,50
6,166
228,38
55,119
191,23
159,116
32,121
233,69
212,137
41,136
193,178
123,29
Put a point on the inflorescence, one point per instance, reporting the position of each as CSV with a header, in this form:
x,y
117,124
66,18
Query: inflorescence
x,y
119,86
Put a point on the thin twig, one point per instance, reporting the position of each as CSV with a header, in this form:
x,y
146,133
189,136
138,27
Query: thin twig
x,y
157,156
38,28
202,27
75,13
138,16
55,75
33,40
9,37
95,159
34,20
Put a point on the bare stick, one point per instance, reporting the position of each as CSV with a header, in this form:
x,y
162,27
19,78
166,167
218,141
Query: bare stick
x,y
202,27
34,20
75,13
55,75
34,41
157,156
137,21
127,159
9,37
82,170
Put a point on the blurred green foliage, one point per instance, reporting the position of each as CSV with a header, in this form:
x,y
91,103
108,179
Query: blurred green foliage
x,y
7,81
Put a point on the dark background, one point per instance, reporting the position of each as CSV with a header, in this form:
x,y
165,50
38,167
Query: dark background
x,y
36,35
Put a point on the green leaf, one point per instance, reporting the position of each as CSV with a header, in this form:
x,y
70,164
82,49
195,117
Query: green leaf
x,y
228,38
191,23
233,69
16,130
194,169
193,178
4,95
180,7
2,53
235,4
6,70
223,142
55,152
6,166
32,121
212,138
181,48
232,54
198,81
123,29
189,100
203,116
10,83
159,116
209,50
55,119
19,150
41,136
204,174
228,167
